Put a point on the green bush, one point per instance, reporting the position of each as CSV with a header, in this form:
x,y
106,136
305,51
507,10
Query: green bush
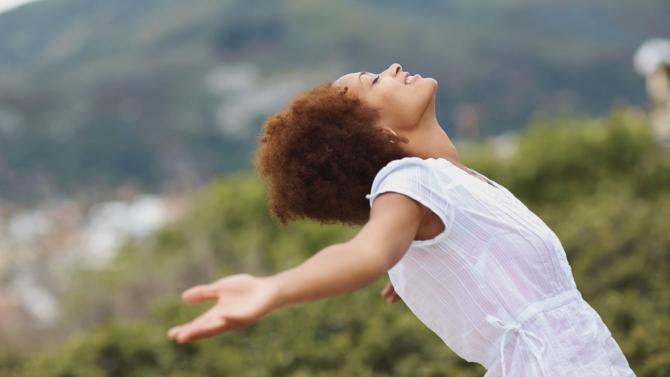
x,y
601,185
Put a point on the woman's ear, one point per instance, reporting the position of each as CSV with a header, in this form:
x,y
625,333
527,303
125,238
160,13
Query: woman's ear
x,y
388,134
393,136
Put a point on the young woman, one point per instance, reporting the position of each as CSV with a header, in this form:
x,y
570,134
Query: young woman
x,y
468,258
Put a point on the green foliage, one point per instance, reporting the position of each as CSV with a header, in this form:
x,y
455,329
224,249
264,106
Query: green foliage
x,y
607,154
601,184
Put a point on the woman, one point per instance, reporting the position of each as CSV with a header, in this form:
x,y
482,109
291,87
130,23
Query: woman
x,y
466,256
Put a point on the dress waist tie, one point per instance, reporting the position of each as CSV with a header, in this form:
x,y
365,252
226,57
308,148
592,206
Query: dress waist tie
x,y
526,336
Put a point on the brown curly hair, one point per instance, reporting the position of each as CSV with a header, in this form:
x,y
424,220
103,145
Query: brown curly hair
x,y
319,156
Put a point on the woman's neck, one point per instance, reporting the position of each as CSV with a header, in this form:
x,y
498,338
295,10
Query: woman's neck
x,y
429,140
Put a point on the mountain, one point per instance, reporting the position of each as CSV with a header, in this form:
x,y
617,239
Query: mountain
x,y
166,94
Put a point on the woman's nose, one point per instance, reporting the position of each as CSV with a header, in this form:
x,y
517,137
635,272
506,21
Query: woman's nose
x,y
394,69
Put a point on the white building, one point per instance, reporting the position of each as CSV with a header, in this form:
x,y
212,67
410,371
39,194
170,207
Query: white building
x,y
652,60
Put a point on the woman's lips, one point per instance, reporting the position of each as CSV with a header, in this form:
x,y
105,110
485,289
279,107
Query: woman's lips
x,y
410,79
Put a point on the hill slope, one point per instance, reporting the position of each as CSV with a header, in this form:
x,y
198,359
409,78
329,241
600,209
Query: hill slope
x,y
95,93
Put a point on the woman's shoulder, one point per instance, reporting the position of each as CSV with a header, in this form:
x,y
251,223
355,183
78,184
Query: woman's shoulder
x,y
409,162
419,179
400,167
408,171
416,166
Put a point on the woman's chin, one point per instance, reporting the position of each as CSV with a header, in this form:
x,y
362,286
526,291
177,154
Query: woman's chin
x,y
427,81
430,82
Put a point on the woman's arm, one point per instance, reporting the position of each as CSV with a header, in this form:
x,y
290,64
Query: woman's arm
x,y
243,299
336,269
346,267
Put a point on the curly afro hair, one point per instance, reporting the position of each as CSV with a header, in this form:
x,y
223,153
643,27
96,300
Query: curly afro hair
x,y
319,157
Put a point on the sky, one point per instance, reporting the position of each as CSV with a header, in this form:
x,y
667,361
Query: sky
x,y
6,5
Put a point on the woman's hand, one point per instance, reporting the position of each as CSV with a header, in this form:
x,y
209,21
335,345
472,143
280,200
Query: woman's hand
x,y
242,299
390,294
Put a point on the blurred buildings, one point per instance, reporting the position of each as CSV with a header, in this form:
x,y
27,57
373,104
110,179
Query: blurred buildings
x,y
39,247
652,60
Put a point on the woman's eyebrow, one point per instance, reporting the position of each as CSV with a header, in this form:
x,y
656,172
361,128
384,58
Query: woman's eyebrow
x,y
361,74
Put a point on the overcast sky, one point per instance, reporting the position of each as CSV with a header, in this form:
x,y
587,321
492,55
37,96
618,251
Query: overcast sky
x,y
6,5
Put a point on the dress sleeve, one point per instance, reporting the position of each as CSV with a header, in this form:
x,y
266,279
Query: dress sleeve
x,y
418,179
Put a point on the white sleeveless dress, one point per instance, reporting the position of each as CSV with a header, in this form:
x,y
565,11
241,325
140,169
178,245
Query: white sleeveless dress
x,y
495,285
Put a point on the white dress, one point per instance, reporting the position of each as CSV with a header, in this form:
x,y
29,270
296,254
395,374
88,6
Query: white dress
x,y
495,285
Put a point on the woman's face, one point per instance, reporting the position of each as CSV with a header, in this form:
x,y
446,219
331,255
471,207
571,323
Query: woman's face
x,y
402,99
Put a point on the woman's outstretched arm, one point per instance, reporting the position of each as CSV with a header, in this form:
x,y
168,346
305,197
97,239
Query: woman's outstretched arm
x,y
336,269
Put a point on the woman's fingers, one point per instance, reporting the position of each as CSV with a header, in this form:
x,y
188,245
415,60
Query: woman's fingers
x,y
387,289
172,334
389,293
392,298
200,293
201,319
175,330
201,329
242,300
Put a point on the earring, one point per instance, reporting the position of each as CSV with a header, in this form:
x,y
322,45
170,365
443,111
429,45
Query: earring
x,y
395,140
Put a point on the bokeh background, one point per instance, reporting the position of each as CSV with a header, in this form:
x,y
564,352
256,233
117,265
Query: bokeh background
x,y
127,134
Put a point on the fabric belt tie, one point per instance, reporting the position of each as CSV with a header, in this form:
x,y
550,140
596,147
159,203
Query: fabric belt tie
x,y
526,336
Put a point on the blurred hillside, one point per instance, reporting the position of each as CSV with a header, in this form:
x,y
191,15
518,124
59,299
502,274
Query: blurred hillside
x,y
165,95
601,184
